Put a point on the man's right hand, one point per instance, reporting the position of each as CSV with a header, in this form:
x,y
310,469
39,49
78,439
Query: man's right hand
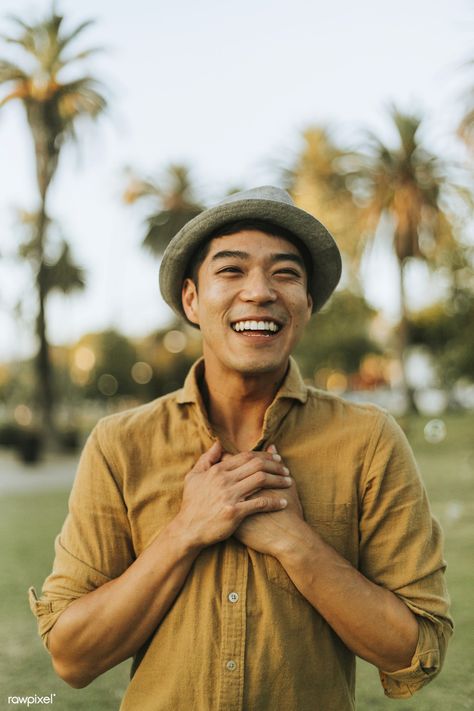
x,y
216,490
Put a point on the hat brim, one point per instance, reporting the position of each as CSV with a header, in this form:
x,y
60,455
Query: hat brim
x,y
324,252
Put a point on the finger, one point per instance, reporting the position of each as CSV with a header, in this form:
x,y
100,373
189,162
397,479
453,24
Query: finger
x,y
211,457
274,452
263,465
261,480
234,461
261,504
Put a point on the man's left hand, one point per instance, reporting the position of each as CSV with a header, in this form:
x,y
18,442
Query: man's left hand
x,y
270,532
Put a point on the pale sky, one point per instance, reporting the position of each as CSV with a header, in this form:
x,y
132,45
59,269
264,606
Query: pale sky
x,y
226,88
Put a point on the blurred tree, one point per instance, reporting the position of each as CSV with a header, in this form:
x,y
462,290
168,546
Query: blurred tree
x,y
54,107
447,330
403,186
173,204
115,356
171,351
466,126
108,365
318,184
338,337
58,269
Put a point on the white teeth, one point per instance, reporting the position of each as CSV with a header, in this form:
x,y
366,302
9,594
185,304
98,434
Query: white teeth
x,y
256,326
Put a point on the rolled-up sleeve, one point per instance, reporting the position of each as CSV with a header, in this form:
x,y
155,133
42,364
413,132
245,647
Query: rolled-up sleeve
x,y
94,545
426,663
401,549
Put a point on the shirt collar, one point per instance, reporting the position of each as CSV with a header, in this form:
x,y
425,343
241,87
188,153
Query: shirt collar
x,y
293,386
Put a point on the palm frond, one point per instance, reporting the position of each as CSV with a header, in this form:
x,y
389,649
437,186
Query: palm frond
x,y
68,38
64,274
11,72
82,97
163,226
84,54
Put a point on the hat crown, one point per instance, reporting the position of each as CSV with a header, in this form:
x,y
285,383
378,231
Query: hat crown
x,y
263,192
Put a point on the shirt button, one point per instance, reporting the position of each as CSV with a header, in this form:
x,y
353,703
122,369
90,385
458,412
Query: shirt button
x,y
231,665
233,597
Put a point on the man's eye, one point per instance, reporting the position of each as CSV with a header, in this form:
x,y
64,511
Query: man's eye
x,y
232,270
288,271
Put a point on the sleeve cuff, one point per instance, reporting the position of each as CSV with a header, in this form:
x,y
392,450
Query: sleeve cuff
x,y
46,612
426,664
71,578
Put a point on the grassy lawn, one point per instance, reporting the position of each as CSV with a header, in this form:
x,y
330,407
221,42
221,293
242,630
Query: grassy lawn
x,y
29,524
448,472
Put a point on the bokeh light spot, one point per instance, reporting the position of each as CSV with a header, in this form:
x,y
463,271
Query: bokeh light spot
x,y
84,358
175,341
336,382
142,372
435,431
23,415
107,384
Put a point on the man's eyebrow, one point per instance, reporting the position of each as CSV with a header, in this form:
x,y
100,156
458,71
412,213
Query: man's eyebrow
x,y
288,257
230,254
279,257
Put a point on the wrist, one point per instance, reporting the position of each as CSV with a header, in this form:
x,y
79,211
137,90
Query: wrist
x,y
297,544
183,540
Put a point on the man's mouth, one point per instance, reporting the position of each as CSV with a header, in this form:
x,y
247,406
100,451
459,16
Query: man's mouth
x,y
263,327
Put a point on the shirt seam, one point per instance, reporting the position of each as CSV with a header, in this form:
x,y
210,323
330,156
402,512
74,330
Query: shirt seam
x,y
110,463
371,451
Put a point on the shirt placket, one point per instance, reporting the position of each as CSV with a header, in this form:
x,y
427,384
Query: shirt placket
x,y
233,627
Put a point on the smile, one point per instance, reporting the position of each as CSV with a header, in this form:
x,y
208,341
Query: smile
x,y
268,327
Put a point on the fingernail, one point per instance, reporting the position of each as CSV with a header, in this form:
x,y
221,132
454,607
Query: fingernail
x,y
272,448
286,471
283,503
276,457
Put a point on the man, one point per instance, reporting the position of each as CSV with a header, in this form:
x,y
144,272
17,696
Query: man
x,y
246,536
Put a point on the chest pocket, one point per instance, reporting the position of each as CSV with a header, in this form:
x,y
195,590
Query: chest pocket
x,y
337,526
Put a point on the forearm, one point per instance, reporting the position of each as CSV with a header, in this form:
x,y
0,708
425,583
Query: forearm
x,y
372,621
108,625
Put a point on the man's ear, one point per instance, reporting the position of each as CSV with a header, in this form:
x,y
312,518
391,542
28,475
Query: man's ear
x,y
310,304
189,298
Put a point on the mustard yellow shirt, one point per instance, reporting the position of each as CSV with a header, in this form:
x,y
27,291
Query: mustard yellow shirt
x,y
240,637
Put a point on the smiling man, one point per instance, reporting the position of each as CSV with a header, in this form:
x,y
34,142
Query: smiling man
x,y
245,537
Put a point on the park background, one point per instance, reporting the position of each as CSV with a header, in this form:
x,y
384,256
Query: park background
x,y
114,134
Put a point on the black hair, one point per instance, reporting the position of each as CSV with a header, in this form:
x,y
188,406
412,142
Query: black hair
x,y
230,228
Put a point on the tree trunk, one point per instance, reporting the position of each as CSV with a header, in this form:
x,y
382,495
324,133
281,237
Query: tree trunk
x,y
403,340
44,373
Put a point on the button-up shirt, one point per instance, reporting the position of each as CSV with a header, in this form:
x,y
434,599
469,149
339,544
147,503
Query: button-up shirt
x,y
239,635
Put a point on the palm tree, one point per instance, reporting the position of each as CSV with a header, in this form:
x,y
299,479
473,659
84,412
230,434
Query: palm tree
x,y
173,204
318,184
54,107
466,126
404,185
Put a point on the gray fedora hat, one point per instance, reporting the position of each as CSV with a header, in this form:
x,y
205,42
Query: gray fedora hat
x,y
266,203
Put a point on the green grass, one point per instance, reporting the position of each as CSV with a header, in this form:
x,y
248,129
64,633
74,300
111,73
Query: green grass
x,y
448,472
29,523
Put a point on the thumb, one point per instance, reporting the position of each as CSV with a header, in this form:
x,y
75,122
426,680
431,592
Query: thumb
x,y
212,456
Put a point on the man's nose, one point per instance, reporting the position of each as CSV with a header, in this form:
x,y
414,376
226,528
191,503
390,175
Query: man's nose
x,y
258,288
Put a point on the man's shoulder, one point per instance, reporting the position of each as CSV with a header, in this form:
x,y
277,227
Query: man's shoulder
x,y
366,421
339,405
138,419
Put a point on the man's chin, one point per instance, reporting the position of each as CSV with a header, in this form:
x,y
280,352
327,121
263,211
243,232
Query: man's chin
x,y
261,366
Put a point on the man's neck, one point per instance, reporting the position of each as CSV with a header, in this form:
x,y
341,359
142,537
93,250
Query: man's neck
x,y
236,403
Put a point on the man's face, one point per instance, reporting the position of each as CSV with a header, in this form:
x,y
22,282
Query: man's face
x,y
251,303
